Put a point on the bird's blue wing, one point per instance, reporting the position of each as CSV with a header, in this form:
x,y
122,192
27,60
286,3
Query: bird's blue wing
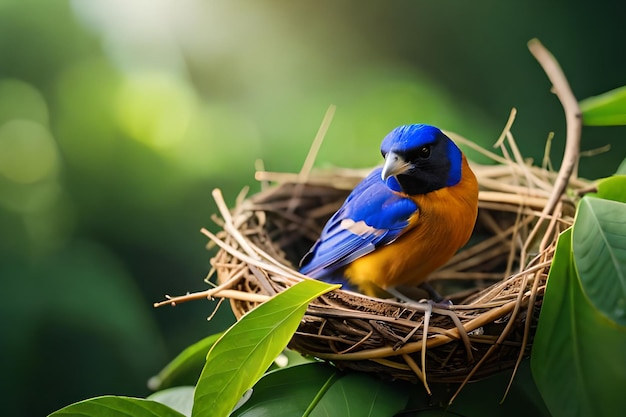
x,y
371,216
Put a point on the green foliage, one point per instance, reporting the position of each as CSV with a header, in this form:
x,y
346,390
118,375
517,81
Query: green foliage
x,y
289,391
599,249
318,389
241,356
178,398
612,188
184,367
578,356
485,398
608,109
110,406
358,394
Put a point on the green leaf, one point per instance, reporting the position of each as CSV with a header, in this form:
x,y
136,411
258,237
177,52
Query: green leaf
x,y
612,188
186,367
608,109
290,357
289,391
483,398
599,246
360,394
578,359
621,170
111,406
241,356
177,398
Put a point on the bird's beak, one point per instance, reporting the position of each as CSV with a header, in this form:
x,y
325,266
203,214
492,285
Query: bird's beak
x,y
394,165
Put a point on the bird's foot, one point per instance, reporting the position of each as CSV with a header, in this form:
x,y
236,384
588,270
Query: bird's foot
x,y
436,302
422,305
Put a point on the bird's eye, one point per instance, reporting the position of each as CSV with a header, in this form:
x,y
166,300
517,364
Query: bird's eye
x,y
424,152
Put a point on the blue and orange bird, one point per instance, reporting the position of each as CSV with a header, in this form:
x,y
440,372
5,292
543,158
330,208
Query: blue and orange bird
x,y
404,220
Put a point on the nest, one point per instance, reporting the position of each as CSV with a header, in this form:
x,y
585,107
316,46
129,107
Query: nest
x,y
495,283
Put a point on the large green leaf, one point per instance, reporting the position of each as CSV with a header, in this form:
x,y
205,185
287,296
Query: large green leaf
x,y
289,391
177,398
292,391
484,398
241,356
186,367
110,406
606,109
578,359
359,394
612,188
599,247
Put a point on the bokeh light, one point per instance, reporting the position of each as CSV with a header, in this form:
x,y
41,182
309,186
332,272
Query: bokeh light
x,y
155,109
28,153
20,100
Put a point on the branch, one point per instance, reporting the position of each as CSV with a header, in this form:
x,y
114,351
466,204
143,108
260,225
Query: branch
x,y
573,119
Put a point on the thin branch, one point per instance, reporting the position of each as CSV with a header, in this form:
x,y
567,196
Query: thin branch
x,y
507,128
305,171
573,120
574,127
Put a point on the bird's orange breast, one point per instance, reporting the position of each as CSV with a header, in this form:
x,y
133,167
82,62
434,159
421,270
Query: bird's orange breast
x,y
443,224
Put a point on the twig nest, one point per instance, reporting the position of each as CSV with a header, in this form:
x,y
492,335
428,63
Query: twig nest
x,y
496,282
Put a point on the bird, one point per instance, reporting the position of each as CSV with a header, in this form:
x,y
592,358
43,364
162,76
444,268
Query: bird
x,y
406,219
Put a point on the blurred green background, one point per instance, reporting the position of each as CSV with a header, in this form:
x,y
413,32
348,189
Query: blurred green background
x,y
118,118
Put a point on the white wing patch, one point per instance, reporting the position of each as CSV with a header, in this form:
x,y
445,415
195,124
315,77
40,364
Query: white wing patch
x,y
360,228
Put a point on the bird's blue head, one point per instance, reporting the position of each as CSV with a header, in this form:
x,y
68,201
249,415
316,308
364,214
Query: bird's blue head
x,y
419,159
